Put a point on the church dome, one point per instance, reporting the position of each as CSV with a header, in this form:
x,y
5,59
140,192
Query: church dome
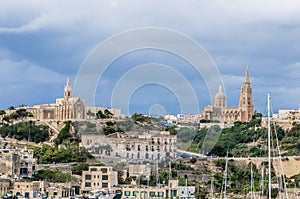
x,y
220,98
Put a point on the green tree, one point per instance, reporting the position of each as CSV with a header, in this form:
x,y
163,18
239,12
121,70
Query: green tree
x,y
77,170
108,114
100,115
70,153
2,112
138,117
11,108
64,134
54,175
90,113
26,130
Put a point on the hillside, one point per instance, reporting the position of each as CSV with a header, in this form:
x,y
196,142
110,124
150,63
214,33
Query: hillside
x,y
243,139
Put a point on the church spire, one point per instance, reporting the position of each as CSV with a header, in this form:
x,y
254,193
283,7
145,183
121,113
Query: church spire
x,y
68,89
68,82
246,99
247,76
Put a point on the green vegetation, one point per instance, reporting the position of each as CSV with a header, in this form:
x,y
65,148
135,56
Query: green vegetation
x,y
11,108
138,117
90,114
21,114
238,178
64,134
242,139
25,131
131,125
83,166
2,112
105,115
54,175
111,127
71,152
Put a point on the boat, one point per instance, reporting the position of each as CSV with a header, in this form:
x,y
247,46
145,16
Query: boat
x,y
224,183
101,194
282,189
269,149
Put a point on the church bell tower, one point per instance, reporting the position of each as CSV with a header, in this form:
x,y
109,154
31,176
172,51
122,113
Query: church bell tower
x,y
246,100
68,90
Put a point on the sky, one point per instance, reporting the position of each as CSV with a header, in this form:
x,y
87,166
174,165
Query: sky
x,y
44,42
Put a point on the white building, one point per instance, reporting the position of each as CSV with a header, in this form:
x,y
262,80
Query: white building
x,y
132,146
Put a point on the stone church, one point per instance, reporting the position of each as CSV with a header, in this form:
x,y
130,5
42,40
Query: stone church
x,y
220,112
65,108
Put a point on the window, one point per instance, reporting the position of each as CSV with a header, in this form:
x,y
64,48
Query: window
x,y
135,193
152,194
88,184
173,193
104,170
104,185
105,177
93,169
27,194
160,194
88,177
127,193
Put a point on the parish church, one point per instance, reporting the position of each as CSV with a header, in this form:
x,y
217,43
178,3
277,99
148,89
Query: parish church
x,y
220,112
66,108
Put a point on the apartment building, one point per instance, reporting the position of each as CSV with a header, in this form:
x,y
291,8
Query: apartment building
x,y
98,177
132,146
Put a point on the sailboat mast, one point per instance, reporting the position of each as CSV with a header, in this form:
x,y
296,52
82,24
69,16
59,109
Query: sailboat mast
x,y
251,188
225,176
269,146
262,180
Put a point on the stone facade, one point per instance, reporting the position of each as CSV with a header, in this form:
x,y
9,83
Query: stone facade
x,y
98,177
171,190
16,163
222,113
132,146
66,108
4,187
26,189
284,118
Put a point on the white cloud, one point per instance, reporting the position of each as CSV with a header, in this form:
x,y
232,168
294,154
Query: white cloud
x,y
261,34
22,82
